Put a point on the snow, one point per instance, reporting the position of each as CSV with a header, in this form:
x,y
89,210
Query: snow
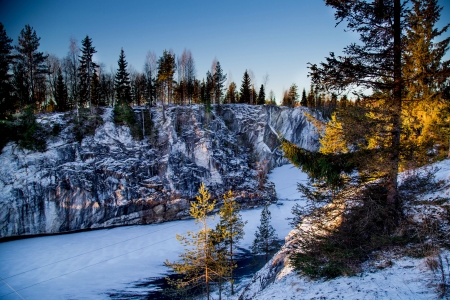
x,y
393,278
89,265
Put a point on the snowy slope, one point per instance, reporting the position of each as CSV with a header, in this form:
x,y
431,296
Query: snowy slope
x,y
392,278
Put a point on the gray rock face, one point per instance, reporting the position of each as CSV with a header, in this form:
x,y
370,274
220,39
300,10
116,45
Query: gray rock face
x,y
111,179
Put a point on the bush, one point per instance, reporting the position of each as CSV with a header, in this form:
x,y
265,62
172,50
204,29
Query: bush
x,y
85,123
124,115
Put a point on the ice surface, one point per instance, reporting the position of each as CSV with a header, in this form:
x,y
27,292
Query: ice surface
x,y
89,265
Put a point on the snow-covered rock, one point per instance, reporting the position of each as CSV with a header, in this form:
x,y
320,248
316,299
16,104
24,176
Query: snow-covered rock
x,y
110,179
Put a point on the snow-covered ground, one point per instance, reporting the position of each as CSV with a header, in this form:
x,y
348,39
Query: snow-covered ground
x,y
90,265
393,278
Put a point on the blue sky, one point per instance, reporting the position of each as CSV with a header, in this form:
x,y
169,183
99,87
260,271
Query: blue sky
x,y
277,38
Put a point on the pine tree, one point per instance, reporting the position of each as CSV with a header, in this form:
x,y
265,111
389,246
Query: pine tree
x,y
198,262
6,101
245,89
230,230
219,80
31,64
293,95
261,96
304,101
85,72
265,237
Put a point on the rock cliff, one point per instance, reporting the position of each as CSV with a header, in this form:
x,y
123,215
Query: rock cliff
x,y
110,179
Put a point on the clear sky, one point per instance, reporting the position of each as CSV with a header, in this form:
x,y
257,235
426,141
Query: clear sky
x,y
276,37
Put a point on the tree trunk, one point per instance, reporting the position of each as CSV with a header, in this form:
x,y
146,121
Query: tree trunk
x,y
392,193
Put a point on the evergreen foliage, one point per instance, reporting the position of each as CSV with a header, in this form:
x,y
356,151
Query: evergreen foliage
x,y
218,81
229,231
61,96
245,89
266,241
304,101
85,72
6,88
122,81
30,67
261,96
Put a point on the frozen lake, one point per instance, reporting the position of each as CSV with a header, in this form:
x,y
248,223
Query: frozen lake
x,y
91,265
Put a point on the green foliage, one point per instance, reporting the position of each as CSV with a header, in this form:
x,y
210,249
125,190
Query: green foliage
x,y
265,241
325,168
229,231
124,115
85,124
24,130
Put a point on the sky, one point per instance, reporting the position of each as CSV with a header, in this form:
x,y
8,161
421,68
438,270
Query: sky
x,y
277,38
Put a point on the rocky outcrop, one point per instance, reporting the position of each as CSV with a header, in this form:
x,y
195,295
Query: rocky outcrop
x,y
111,179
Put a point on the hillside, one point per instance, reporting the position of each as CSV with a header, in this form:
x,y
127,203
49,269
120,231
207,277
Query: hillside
x,y
388,274
110,179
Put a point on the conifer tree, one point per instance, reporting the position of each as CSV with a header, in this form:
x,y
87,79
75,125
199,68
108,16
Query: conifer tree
x,y
245,89
61,96
304,101
85,72
265,237
261,96
31,64
219,80
122,81
95,89
6,89
198,262
231,230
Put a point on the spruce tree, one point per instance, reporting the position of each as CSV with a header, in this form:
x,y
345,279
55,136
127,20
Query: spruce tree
x,y
85,72
304,101
245,89
122,81
219,80
230,230
6,101
198,262
31,64
61,96
266,240
261,96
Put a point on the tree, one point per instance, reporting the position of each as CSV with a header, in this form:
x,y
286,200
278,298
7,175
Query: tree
x,y
61,93
219,80
230,230
85,71
197,263
95,89
265,237
375,64
261,96
122,81
245,89
32,64
231,96
304,101
71,65
166,71
6,101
